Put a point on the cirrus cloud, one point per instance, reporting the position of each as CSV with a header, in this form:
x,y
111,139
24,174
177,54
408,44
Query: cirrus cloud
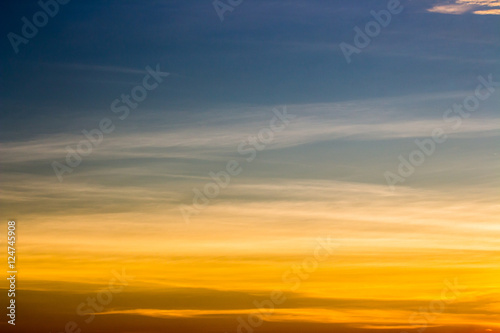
x,y
458,7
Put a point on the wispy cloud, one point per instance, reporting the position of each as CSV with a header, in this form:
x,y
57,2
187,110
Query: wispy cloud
x,y
480,7
97,68
212,136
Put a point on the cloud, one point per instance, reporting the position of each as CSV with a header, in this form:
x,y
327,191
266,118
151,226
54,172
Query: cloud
x,y
98,68
213,135
455,9
488,12
480,7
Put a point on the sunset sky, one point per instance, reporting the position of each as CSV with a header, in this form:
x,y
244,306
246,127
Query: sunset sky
x,y
316,206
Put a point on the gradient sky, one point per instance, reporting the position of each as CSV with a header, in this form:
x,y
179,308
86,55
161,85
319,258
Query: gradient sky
x,y
321,176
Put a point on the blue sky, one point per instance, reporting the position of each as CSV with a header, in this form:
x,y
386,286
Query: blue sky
x,y
265,52
227,76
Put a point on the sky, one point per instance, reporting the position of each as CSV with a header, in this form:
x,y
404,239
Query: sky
x,y
252,166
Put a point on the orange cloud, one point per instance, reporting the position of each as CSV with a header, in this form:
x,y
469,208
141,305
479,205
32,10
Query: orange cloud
x,y
480,7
